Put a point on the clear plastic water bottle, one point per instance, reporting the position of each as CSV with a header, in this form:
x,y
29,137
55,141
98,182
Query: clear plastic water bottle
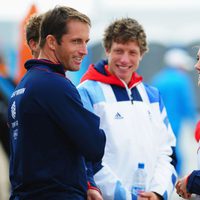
x,y
139,181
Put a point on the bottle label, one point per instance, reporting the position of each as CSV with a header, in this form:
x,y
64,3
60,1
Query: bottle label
x,y
134,197
136,190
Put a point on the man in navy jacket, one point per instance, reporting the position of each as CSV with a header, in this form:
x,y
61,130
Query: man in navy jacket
x,y
51,133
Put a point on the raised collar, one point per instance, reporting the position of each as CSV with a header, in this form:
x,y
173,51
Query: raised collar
x,y
45,64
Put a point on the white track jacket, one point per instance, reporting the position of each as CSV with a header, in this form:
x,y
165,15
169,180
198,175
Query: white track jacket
x,y
137,130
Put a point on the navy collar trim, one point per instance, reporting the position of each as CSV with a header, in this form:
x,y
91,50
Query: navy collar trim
x,y
44,63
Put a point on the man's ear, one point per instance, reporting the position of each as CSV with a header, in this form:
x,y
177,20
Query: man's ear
x,y
32,45
51,42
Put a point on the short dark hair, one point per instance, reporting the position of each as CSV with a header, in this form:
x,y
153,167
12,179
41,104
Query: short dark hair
x,y
125,30
32,28
55,22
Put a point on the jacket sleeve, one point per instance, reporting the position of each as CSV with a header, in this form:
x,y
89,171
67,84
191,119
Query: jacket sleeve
x,y
193,183
90,178
165,175
113,189
80,126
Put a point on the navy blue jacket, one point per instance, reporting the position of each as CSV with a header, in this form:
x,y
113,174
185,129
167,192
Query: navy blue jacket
x,y
193,184
51,136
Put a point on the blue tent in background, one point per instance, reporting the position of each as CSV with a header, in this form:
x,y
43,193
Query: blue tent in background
x,y
6,87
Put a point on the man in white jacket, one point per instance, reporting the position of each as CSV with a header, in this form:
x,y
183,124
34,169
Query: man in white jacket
x,y
132,115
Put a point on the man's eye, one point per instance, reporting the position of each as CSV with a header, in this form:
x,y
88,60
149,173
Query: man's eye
x,y
118,51
133,53
77,41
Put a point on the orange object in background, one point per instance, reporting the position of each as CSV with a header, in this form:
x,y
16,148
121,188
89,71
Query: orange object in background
x,y
3,68
24,51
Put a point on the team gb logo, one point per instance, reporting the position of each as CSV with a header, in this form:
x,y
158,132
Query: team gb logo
x,y
13,110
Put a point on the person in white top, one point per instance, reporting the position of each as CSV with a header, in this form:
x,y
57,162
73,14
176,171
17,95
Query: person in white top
x,y
133,116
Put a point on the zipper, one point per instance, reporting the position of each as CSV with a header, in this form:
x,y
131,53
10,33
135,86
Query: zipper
x,y
128,91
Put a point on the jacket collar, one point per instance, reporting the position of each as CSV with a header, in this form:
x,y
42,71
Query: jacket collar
x,y
99,72
46,65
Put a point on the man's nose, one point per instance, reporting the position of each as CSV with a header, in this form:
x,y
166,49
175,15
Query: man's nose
x,y
83,49
125,58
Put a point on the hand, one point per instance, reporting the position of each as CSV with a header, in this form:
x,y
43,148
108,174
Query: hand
x,y
93,195
181,188
148,196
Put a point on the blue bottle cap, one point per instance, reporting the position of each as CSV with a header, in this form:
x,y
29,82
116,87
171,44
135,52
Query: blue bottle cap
x,y
141,165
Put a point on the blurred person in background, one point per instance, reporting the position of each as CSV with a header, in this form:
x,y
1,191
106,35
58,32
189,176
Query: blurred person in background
x,y
177,90
132,115
7,86
32,31
48,148
190,184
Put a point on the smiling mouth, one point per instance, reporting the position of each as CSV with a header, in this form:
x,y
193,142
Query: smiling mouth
x,y
123,67
78,60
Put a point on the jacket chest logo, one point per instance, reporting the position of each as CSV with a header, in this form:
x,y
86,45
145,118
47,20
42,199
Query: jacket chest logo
x,y
118,116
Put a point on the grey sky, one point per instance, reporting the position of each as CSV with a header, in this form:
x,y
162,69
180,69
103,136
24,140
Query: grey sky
x,y
165,21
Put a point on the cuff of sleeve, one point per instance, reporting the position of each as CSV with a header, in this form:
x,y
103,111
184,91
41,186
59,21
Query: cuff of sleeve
x,y
186,180
190,180
90,187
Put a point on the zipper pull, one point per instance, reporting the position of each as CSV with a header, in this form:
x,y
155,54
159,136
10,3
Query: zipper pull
x,y
131,95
